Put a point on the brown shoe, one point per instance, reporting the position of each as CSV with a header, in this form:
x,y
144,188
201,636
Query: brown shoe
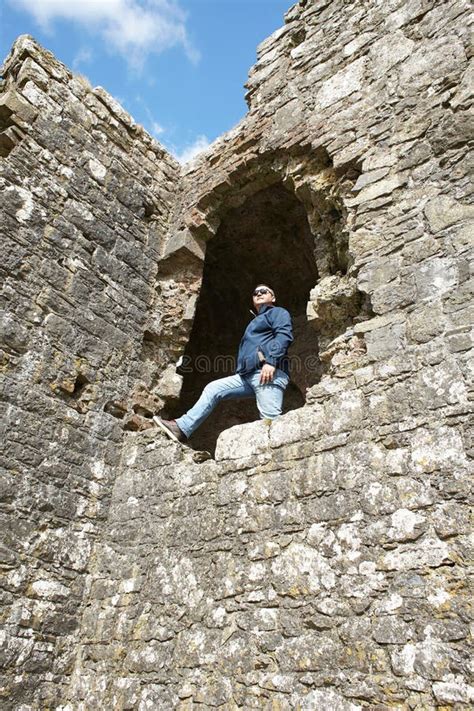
x,y
170,428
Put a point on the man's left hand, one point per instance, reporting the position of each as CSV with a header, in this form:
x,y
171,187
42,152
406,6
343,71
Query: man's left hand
x,y
266,375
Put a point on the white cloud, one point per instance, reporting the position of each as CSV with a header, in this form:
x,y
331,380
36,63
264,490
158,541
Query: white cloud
x,y
152,125
133,28
84,56
191,151
157,129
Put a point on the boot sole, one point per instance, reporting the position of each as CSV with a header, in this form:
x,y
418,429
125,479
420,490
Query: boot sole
x,y
167,432
198,456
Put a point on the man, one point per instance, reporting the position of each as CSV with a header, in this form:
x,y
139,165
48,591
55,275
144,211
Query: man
x,y
262,368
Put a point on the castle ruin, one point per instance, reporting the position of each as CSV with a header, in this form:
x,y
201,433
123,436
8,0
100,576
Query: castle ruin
x,y
315,563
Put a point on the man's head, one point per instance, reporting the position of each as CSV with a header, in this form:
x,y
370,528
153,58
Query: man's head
x,y
263,294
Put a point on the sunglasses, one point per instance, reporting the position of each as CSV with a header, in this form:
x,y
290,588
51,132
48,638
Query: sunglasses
x,y
257,292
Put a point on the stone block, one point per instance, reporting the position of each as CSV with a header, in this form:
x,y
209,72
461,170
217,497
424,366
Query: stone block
x,y
453,689
406,525
285,429
317,476
384,342
344,411
342,84
169,384
440,448
327,699
434,659
463,95
414,494
243,440
388,51
444,211
14,333
453,130
273,487
31,70
184,241
395,295
13,103
440,385
334,299
391,630
385,186
431,554
377,499
425,323
371,176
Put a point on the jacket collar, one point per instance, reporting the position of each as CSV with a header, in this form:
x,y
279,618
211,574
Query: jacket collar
x,y
263,308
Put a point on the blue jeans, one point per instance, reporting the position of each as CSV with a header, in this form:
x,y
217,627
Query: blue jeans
x,y
269,397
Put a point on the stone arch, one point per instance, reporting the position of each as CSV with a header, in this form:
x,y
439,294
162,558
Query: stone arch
x,y
276,194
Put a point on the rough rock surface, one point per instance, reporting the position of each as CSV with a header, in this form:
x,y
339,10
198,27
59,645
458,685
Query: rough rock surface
x,y
318,562
86,196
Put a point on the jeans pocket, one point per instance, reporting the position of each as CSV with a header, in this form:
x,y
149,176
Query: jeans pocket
x,y
280,379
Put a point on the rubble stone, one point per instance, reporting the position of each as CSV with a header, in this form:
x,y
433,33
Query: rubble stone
x,y
317,561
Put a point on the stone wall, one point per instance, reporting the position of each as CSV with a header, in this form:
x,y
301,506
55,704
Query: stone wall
x,y
319,562
86,195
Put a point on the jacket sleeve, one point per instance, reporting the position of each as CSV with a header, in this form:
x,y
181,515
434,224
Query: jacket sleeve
x,y
282,329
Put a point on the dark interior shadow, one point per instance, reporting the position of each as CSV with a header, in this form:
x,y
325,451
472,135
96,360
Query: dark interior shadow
x,y
266,240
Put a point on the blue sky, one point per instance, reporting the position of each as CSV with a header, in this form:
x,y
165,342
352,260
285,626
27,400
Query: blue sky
x,y
177,66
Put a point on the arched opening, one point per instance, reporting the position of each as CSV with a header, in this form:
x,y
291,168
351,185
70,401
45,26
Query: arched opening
x,y
266,239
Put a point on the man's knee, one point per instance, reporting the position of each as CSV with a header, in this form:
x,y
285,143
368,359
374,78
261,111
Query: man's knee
x,y
270,413
213,391
270,402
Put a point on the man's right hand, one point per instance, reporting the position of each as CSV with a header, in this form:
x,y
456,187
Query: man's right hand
x,y
266,374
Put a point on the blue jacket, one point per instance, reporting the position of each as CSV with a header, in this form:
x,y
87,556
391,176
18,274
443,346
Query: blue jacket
x,y
270,332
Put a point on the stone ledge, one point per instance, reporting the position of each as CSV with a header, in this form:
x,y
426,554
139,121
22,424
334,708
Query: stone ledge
x,y
262,437
183,241
244,440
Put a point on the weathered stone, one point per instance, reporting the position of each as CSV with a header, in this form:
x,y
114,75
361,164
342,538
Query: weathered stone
x,y
332,303
389,51
408,558
453,690
425,323
436,277
391,631
17,107
169,383
327,699
385,341
370,177
406,525
443,211
381,187
244,441
342,84
183,241
319,560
